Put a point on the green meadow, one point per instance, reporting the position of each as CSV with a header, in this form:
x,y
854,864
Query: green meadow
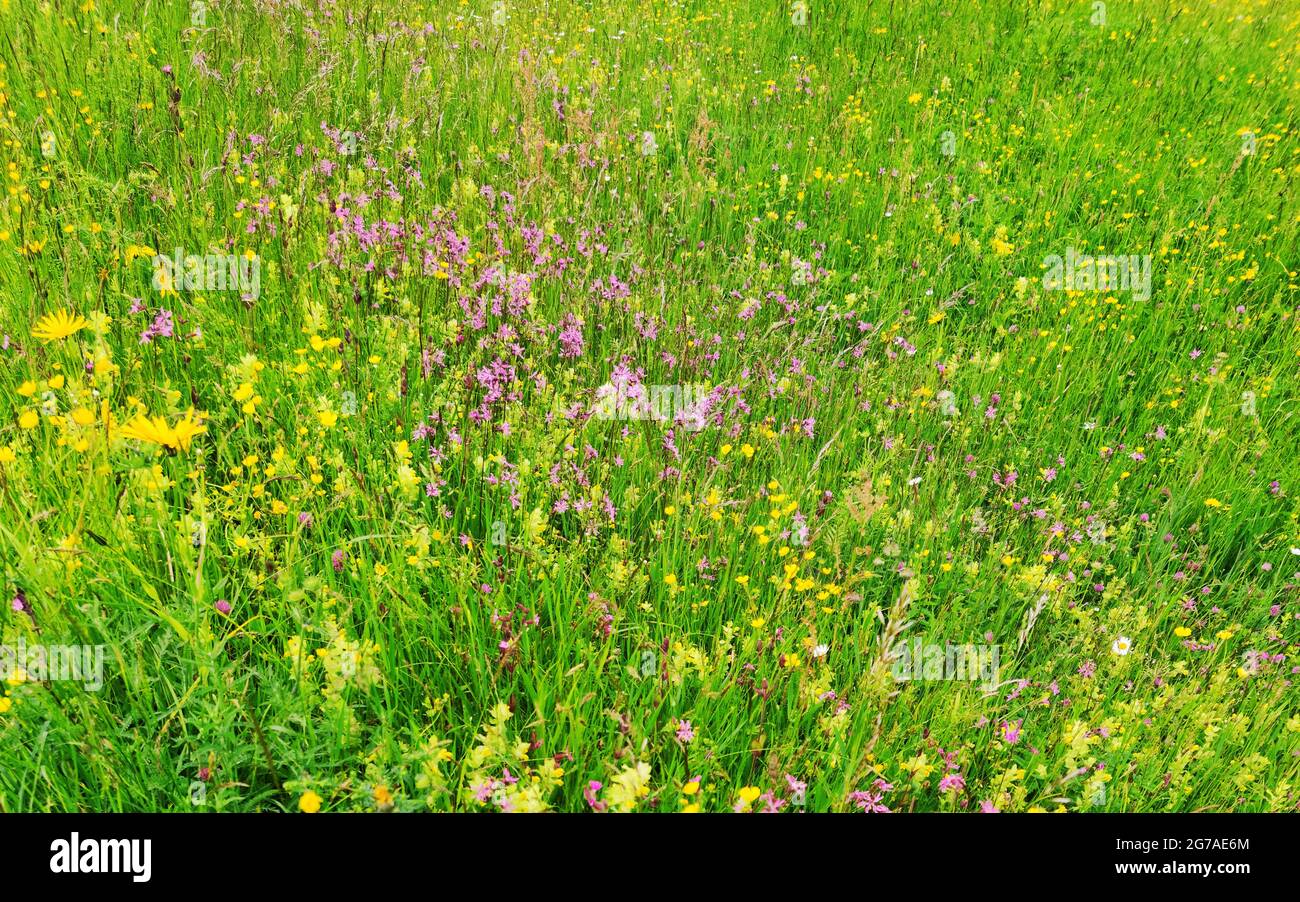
x,y
649,406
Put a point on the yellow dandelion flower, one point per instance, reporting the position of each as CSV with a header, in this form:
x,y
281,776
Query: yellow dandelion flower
x,y
58,325
156,431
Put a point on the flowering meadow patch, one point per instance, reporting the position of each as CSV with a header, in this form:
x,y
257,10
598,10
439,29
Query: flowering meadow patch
x,y
504,406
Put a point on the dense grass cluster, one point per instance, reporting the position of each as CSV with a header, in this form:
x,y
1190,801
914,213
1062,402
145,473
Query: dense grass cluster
x,y
595,406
